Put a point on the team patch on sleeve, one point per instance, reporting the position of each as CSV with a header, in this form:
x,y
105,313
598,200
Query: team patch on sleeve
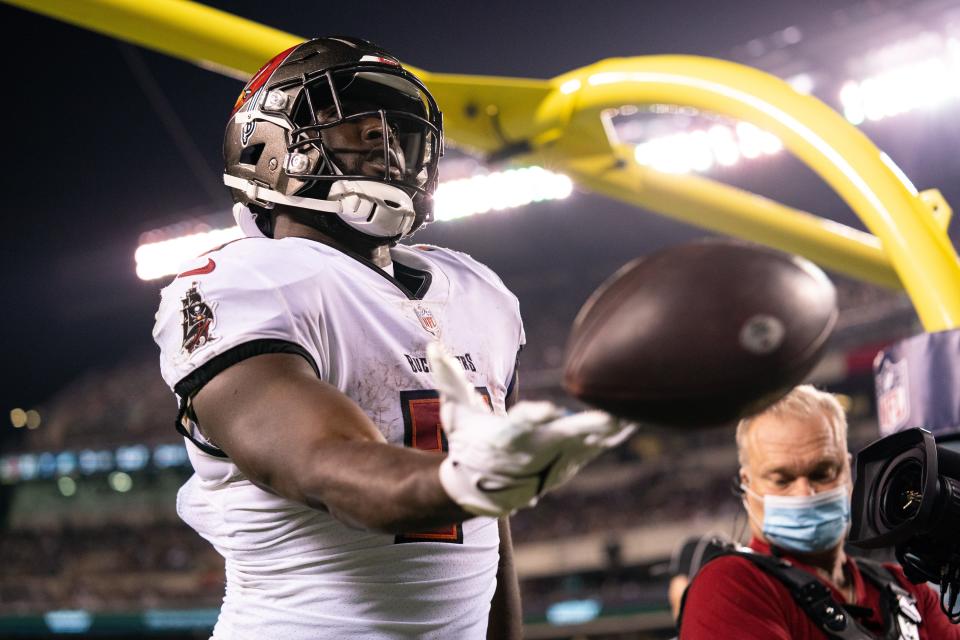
x,y
198,320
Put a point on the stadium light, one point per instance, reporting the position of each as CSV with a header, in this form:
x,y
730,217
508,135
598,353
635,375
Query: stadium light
x,y
158,259
18,418
700,150
67,486
66,462
573,611
120,481
33,419
802,83
127,459
160,255
916,73
497,191
923,83
68,621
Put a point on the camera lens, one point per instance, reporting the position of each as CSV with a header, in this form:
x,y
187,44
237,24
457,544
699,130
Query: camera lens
x,y
902,493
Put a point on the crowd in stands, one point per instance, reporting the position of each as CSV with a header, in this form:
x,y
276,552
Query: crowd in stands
x,y
108,568
126,404
656,499
167,566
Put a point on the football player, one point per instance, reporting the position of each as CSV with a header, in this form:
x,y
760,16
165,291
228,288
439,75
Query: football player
x,y
312,383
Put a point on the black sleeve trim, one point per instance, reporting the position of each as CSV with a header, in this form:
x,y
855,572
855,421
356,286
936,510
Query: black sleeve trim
x,y
513,377
203,374
191,384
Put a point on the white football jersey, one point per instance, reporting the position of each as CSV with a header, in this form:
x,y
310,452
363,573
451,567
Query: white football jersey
x,y
296,572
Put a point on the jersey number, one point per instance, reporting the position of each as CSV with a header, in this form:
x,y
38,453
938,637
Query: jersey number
x,y
421,430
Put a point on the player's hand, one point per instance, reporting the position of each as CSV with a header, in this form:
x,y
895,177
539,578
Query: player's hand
x,y
498,464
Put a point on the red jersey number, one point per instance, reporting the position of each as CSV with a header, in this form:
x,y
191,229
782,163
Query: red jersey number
x,y
421,430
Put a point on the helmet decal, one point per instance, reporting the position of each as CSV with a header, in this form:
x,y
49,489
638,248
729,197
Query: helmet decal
x,y
247,131
260,78
381,59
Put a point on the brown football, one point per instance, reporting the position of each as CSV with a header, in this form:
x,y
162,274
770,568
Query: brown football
x,y
700,334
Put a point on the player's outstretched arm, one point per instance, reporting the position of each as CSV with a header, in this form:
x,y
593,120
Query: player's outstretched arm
x,y
297,436
301,438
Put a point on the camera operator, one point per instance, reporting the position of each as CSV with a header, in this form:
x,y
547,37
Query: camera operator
x,y
798,582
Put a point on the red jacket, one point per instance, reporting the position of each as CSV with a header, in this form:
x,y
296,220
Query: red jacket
x,y
733,599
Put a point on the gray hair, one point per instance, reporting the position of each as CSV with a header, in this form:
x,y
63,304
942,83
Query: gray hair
x,y
804,401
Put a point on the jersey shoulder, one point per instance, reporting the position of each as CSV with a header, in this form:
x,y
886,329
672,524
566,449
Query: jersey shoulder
x,y
462,264
256,290
258,262
255,268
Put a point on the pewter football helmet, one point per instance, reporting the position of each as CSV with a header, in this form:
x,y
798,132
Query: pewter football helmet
x,y
336,125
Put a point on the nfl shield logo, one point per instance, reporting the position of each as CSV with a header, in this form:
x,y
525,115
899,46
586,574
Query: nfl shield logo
x,y
427,320
893,399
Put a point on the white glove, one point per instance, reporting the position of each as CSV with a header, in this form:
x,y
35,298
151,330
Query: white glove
x,y
498,464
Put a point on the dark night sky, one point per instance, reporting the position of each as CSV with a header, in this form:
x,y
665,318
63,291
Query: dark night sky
x,y
87,164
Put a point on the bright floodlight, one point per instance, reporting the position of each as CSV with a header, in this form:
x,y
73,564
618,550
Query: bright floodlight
x,y
922,84
723,145
802,83
33,419
500,190
18,418
700,150
67,486
158,259
120,481
453,199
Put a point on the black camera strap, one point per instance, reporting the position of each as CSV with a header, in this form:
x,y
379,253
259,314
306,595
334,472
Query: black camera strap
x,y
813,597
897,606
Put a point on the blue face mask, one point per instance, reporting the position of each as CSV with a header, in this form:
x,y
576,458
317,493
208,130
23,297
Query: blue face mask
x,y
806,524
